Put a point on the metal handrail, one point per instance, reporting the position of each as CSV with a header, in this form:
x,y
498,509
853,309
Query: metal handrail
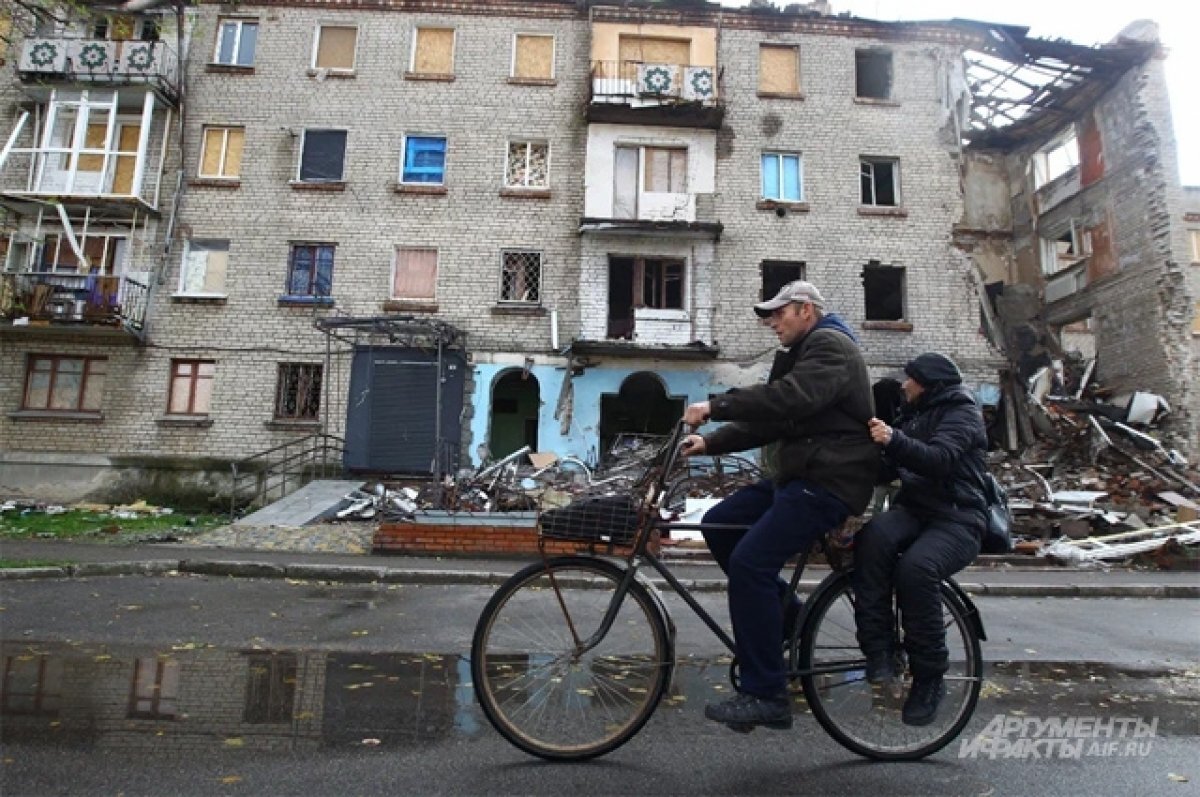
x,y
296,459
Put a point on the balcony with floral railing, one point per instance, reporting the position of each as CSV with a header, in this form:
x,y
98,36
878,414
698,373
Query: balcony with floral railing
x,y
101,61
82,302
652,93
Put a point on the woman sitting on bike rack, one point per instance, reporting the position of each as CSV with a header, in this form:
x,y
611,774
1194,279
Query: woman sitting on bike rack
x,y
813,412
936,522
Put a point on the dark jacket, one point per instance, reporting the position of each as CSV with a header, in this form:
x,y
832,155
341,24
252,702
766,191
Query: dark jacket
x,y
937,452
816,403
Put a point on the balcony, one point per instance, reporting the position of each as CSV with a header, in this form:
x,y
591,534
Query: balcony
x,y
674,95
73,304
100,61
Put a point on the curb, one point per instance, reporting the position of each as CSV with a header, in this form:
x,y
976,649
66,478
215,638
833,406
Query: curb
x,y
388,575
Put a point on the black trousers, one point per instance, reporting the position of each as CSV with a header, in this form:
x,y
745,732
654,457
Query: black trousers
x,y
911,554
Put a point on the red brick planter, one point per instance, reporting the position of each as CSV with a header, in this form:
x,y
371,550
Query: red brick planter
x,y
470,534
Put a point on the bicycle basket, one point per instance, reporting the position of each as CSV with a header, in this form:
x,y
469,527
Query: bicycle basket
x,y
609,519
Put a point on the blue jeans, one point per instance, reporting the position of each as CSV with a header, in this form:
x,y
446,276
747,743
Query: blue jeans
x,y
783,521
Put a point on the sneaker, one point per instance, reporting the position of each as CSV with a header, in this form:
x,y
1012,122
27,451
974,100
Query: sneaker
x,y
923,698
881,667
745,712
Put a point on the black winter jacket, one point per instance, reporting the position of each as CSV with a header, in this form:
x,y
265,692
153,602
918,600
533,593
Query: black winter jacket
x,y
937,452
816,404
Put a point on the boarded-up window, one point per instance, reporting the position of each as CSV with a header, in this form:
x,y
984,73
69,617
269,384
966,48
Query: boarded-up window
x,y
416,274
650,50
335,47
1195,236
778,69
5,33
666,170
533,57
205,264
94,138
433,51
1196,320
221,153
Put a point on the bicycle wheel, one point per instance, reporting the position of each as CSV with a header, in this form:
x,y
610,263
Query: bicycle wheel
x,y
535,685
865,718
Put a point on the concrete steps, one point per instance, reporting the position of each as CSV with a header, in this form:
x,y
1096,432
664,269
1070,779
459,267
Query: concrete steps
x,y
317,499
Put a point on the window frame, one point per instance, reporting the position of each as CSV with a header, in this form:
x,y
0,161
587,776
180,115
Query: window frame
x,y
1194,240
304,138
412,55
893,271
87,372
646,150
241,22
437,263
316,48
226,130
189,246
874,161
875,54
800,266
529,144
404,153
795,50
541,267
512,67
166,672
1044,161
313,280
193,380
781,156
302,402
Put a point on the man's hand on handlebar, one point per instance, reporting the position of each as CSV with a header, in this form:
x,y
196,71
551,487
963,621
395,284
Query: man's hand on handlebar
x,y
696,414
692,446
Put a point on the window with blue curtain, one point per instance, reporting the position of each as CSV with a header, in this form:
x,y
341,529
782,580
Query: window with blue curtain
x,y
781,178
424,160
310,272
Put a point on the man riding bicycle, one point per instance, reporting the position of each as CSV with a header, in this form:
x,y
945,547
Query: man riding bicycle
x,y
811,420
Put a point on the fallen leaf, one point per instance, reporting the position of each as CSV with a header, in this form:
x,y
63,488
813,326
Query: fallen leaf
x,y
359,633
229,779
234,741
371,742
1177,778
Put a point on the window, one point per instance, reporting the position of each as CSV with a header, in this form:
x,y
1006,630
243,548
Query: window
x,y
521,277
270,688
1194,235
236,39
1063,251
415,275
191,387
662,284
777,273
155,689
778,69
334,48
883,288
528,165
310,270
323,156
433,51
105,254
781,177
205,264
880,180
32,685
533,57
298,392
873,74
64,384
424,160
666,170
221,152
1055,159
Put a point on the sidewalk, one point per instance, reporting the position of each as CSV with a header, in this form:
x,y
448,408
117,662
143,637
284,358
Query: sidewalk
x,y
696,571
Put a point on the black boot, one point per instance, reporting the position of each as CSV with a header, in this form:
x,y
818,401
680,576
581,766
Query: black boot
x,y
923,698
881,667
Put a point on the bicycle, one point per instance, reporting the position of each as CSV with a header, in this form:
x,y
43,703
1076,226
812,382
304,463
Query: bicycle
x,y
572,654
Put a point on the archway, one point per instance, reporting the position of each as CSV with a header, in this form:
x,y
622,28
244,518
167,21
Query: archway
x,y
516,401
641,406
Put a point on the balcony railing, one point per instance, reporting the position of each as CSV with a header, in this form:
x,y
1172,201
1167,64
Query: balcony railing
x,y
101,61
633,82
42,298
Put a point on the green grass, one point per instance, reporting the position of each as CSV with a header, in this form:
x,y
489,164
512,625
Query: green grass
x,y
79,523
12,564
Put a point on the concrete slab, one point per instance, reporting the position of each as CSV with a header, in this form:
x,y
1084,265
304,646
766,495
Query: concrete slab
x,y
313,501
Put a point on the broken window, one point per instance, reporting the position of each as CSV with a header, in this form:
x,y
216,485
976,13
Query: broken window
x,y
665,170
521,277
270,688
533,57
880,181
778,69
334,48
323,156
873,74
236,40
155,689
433,51
221,152
777,273
883,290
104,253
1055,159
635,282
1060,252
424,160
415,275
191,387
782,176
32,685
310,270
298,392
527,165
205,264
64,384
662,284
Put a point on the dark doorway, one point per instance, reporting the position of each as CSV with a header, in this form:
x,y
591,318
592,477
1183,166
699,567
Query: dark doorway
x,y
641,406
620,297
516,401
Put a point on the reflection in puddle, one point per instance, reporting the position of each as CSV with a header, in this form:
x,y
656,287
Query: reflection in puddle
x,y
194,698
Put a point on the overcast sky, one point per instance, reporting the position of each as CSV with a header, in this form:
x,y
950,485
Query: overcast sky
x,y
1082,22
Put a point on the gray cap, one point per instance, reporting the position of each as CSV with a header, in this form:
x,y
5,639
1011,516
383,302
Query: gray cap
x,y
798,291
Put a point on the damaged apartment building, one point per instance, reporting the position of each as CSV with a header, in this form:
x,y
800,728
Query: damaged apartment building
x,y
423,234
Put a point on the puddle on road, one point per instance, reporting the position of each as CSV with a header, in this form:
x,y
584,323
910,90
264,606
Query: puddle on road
x,y
194,697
